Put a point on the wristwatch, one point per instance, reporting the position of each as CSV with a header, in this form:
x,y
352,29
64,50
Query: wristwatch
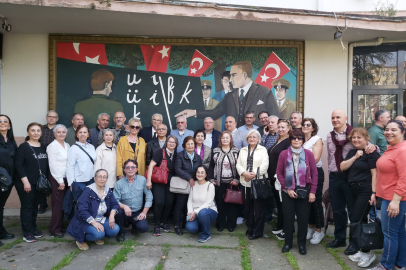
x,y
373,192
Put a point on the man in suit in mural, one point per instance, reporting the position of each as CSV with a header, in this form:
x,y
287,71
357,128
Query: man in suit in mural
x,y
285,105
225,82
246,96
210,103
101,83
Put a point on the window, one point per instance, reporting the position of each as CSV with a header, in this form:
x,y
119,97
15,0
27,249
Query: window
x,y
369,104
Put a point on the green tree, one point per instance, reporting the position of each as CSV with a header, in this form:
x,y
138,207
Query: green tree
x,y
126,55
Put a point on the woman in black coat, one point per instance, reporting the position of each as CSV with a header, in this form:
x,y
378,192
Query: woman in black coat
x,y
186,164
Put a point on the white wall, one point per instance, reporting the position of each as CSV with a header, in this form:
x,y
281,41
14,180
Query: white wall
x,y
24,80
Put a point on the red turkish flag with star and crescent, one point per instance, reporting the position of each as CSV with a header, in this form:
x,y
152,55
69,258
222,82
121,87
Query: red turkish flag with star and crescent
x,y
147,52
199,64
160,58
82,52
273,69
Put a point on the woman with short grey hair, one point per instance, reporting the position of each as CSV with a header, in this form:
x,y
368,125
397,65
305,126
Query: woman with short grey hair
x,y
106,156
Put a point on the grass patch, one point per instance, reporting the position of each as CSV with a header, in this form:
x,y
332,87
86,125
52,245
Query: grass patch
x,y
291,259
245,252
121,255
66,260
165,249
11,244
42,227
335,255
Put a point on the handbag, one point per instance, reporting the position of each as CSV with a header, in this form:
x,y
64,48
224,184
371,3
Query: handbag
x,y
302,192
233,196
159,174
179,185
260,188
5,180
43,184
367,236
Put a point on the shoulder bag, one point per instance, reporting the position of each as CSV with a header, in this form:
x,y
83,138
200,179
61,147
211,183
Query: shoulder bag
x,y
302,192
367,236
43,184
179,185
233,196
260,188
77,190
91,159
159,174
5,180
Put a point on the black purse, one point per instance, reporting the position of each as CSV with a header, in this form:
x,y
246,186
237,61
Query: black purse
x,y
367,236
5,180
302,192
260,188
43,184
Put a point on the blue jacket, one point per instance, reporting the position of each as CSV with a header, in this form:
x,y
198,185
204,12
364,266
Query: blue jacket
x,y
88,204
215,135
183,165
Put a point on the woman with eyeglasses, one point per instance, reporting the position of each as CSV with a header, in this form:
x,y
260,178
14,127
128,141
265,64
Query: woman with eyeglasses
x,y
297,173
8,148
58,159
156,143
281,144
106,155
131,147
202,150
31,159
314,143
162,195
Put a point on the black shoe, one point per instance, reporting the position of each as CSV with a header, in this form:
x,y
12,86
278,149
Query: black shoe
x,y
57,235
178,231
220,228
249,232
126,224
6,236
41,210
254,237
134,231
230,229
302,250
286,248
63,230
38,234
157,231
120,237
336,243
351,250
165,227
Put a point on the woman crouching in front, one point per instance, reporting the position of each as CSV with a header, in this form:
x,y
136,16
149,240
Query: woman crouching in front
x,y
90,222
297,173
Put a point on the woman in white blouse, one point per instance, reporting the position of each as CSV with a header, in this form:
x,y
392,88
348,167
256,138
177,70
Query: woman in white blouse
x,y
106,155
57,157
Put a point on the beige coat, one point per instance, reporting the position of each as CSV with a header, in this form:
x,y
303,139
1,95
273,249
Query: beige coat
x,y
106,159
261,160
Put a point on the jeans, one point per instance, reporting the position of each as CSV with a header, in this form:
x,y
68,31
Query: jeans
x,y
340,197
316,216
93,235
83,185
140,225
394,245
202,222
163,202
373,213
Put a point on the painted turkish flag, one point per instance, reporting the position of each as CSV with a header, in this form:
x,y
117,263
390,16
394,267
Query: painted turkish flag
x,y
160,58
199,64
273,69
83,52
147,52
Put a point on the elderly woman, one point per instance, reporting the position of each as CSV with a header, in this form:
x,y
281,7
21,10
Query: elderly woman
x,y
297,172
362,179
281,144
163,196
157,143
223,174
106,155
81,160
131,147
251,158
201,207
31,159
202,150
94,218
391,187
58,158
186,165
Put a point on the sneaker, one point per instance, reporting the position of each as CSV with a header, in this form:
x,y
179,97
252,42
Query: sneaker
x,y
397,268
29,239
203,240
378,267
355,257
165,228
83,246
366,259
240,220
281,236
276,231
310,232
99,242
38,234
317,237
157,231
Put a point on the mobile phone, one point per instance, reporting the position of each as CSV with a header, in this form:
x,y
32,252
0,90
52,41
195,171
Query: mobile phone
x,y
188,217
136,218
266,129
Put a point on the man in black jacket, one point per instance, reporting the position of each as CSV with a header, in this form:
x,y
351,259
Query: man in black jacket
x,y
212,135
102,123
148,133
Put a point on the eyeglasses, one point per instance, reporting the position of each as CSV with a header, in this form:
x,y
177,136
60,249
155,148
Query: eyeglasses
x,y
101,177
52,116
298,138
5,121
157,120
160,129
307,125
130,168
135,127
171,142
180,122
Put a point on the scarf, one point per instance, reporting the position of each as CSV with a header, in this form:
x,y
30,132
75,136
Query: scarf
x,y
338,154
250,158
191,156
290,177
201,151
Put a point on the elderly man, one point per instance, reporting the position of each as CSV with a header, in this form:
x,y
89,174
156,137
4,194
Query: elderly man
x,y
181,132
156,143
249,122
129,192
382,117
263,118
47,133
212,135
270,136
238,136
77,120
119,127
296,120
102,123
149,133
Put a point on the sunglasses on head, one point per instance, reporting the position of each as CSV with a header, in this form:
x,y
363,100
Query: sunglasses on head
x,y
135,127
283,120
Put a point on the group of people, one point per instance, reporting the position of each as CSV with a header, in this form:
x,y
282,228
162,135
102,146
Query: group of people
x,y
108,173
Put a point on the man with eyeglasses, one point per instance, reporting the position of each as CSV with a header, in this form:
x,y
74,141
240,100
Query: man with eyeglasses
x,y
47,130
156,143
249,122
212,135
149,133
102,122
77,120
181,132
285,105
129,192
263,118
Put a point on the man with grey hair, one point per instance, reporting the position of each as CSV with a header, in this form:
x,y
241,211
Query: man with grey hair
x,y
382,117
270,135
212,135
77,120
119,126
238,136
149,133
102,123
47,135
296,120
181,132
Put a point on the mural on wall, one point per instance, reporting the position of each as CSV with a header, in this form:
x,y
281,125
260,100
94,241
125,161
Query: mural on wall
x,y
193,81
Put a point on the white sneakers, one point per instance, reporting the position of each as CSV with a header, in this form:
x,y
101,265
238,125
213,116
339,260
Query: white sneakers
x,y
363,259
317,237
240,220
310,232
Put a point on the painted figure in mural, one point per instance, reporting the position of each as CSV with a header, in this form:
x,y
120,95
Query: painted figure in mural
x,y
227,88
285,105
246,96
101,83
210,103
